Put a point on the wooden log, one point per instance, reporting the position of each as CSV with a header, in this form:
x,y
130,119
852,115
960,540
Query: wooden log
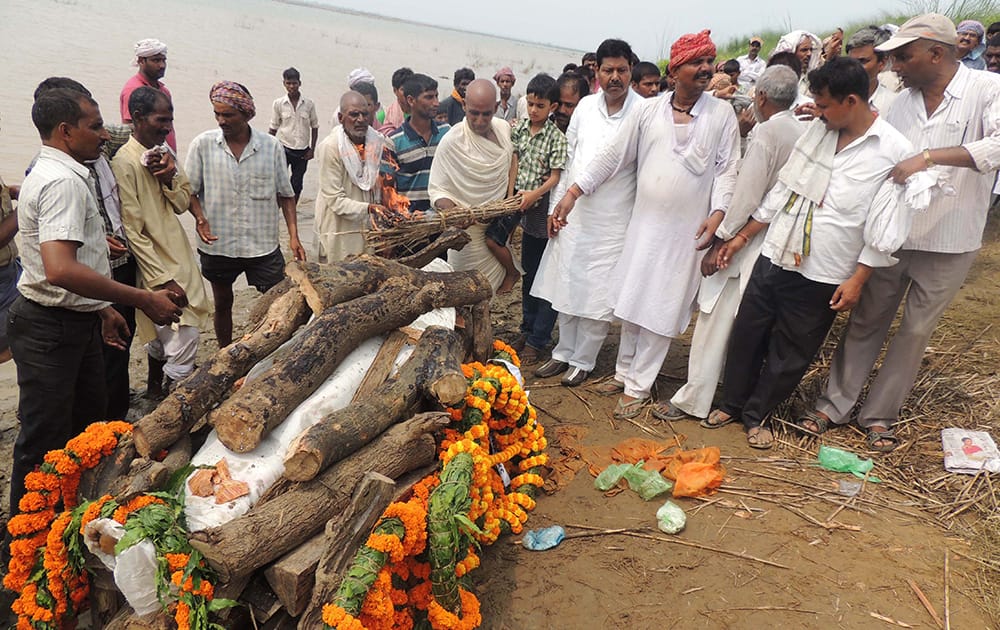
x,y
126,619
260,306
292,577
144,475
178,455
451,238
250,414
261,601
330,284
100,479
343,536
434,369
271,529
381,367
481,331
212,381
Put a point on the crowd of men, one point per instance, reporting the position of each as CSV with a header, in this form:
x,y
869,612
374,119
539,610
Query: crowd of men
x,y
767,195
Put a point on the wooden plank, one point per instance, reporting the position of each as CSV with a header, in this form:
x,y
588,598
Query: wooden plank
x,y
344,535
381,367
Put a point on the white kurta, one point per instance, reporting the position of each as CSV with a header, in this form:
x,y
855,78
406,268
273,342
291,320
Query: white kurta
x,y
770,145
341,206
573,273
472,170
680,182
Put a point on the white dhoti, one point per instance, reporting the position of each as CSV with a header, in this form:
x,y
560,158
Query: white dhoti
x,y
708,352
580,339
640,354
177,347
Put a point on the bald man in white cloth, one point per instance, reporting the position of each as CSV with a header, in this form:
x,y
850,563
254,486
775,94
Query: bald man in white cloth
x,y
471,168
151,59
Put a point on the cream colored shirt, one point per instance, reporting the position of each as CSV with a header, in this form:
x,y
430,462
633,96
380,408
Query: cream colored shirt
x,y
58,202
156,237
294,123
968,116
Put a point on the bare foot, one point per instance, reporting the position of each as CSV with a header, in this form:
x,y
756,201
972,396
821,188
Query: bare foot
x,y
508,283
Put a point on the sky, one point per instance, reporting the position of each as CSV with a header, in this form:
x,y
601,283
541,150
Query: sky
x,y
648,26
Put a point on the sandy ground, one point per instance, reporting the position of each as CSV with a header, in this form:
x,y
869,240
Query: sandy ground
x,y
830,578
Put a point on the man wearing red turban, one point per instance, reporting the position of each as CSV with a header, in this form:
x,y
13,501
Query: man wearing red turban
x,y
684,146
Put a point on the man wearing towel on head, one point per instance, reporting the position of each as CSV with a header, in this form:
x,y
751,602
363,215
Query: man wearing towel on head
x,y
239,178
151,59
472,168
684,146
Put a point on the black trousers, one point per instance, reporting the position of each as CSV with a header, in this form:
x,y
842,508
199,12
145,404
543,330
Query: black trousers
x,y
60,376
781,324
115,360
297,162
537,315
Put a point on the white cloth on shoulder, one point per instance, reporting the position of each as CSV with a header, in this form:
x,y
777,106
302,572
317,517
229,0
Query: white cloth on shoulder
x,y
364,173
472,170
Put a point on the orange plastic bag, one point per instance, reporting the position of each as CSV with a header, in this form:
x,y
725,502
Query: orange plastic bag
x,y
708,455
695,479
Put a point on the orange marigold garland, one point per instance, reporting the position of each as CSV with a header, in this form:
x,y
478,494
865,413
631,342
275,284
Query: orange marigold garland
x,y
50,582
495,435
47,562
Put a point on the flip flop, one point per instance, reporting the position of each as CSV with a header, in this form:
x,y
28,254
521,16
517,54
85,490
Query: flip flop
x,y
716,421
668,412
822,423
629,410
888,435
760,437
609,387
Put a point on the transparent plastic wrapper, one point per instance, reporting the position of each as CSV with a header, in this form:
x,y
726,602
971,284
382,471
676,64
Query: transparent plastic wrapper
x,y
839,460
648,484
134,569
545,538
610,476
670,518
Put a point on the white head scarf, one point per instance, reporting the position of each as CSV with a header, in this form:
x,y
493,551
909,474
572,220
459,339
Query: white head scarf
x,y
148,48
359,75
791,41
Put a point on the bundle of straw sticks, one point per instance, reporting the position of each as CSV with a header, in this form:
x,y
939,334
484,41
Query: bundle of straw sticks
x,y
415,230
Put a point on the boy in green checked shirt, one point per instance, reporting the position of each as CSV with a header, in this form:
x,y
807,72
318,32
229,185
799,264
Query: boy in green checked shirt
x,y
539,158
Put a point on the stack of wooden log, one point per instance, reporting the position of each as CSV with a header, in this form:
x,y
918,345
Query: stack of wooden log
x,y
283,558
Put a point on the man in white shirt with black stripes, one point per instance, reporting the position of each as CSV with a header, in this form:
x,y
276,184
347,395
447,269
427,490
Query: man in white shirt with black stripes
x,y
951,114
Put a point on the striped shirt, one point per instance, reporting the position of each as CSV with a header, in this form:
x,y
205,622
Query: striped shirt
x,y
969,116
239,197
414,157
58,202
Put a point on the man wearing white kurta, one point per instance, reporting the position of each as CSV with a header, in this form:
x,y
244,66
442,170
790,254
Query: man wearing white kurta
x,y
770,144
471,168
959,140
685,146
578,259
834,218
350,159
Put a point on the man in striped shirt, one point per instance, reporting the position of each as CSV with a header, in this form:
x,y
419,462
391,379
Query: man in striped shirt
x,y
951,114
417,139
240,185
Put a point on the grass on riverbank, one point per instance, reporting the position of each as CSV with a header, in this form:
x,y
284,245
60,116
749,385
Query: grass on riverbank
x,y
985,11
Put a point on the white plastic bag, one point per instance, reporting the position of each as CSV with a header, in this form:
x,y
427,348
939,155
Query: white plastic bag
x,y
134,569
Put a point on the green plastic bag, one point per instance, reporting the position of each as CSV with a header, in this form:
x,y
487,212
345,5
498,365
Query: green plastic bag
x,y
647,483
844,461
610,476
